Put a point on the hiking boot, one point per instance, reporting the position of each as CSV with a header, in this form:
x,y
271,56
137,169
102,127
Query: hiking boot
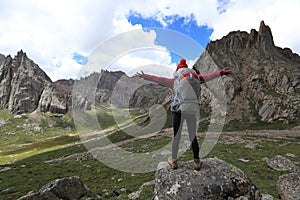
x,y
197,164
173,164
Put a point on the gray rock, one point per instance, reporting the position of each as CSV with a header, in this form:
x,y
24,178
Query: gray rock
x,y
6,191
288,186
52,101
216,180
261,70
136,195
252,145
280,163
4,169
266,197
71,188
24,85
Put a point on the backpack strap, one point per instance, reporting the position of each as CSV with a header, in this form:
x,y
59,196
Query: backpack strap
x,y
190,74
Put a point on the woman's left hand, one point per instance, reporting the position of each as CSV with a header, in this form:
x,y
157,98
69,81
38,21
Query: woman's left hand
x,y
227,71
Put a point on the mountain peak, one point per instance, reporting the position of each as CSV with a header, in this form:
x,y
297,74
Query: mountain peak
x,y
21,54
26,87
265,37
263,72
258,43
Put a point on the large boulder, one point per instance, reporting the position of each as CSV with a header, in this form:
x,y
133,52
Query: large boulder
x,y
70,188
288,186
280,163
216,180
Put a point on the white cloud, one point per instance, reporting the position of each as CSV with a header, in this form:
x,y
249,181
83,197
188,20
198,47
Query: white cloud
x,y
47,29
58,28
131,51
67,68
153,61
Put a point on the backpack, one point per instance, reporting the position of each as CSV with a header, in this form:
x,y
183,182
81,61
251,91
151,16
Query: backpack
x,y
186,91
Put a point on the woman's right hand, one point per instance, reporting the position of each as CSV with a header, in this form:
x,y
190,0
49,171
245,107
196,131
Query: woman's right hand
x,y
140,75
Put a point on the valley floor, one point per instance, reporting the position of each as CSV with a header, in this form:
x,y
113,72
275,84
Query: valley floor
x,y
248,150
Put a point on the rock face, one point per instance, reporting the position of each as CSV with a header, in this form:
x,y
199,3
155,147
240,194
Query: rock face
x,y
24,87
118,89
266,83
66,188
216,180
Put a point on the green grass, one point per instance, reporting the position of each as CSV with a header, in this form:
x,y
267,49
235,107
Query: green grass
x,y
24,151
29,134
29,128
27,150
256,169
239,126
33,172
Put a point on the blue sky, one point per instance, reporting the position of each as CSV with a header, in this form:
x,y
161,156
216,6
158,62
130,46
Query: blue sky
x,y
80,59
185,25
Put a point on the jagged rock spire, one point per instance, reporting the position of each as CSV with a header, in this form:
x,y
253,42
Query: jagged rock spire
x,y
25,87
265,37
264,73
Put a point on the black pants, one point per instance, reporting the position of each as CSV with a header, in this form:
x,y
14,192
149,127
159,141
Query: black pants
x,y
191,120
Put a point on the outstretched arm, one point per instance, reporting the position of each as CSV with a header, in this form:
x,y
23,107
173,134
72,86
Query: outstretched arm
x,y
167,82
215,74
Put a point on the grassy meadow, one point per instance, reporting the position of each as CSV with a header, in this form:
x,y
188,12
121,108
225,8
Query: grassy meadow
x,y
29,142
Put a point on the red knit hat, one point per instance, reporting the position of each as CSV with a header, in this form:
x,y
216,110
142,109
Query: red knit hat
x,y
182,64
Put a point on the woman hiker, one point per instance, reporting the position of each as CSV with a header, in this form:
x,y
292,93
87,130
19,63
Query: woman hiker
x,y
179,116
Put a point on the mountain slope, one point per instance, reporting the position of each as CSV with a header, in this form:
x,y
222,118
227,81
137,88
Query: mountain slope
x,y
24,87
266,84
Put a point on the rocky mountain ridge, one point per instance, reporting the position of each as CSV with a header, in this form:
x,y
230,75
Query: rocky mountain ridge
x,y
265,86
24,87
266,83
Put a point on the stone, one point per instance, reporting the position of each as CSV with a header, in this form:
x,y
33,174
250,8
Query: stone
x,y
252,145
280,163
136,194
71,188
216,180
266,197
4,169
288,186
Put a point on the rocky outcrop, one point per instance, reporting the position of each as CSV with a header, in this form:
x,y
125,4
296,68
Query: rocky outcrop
x,y
24,87
118,89
65,188
280,163
216,180
266,83
288,186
